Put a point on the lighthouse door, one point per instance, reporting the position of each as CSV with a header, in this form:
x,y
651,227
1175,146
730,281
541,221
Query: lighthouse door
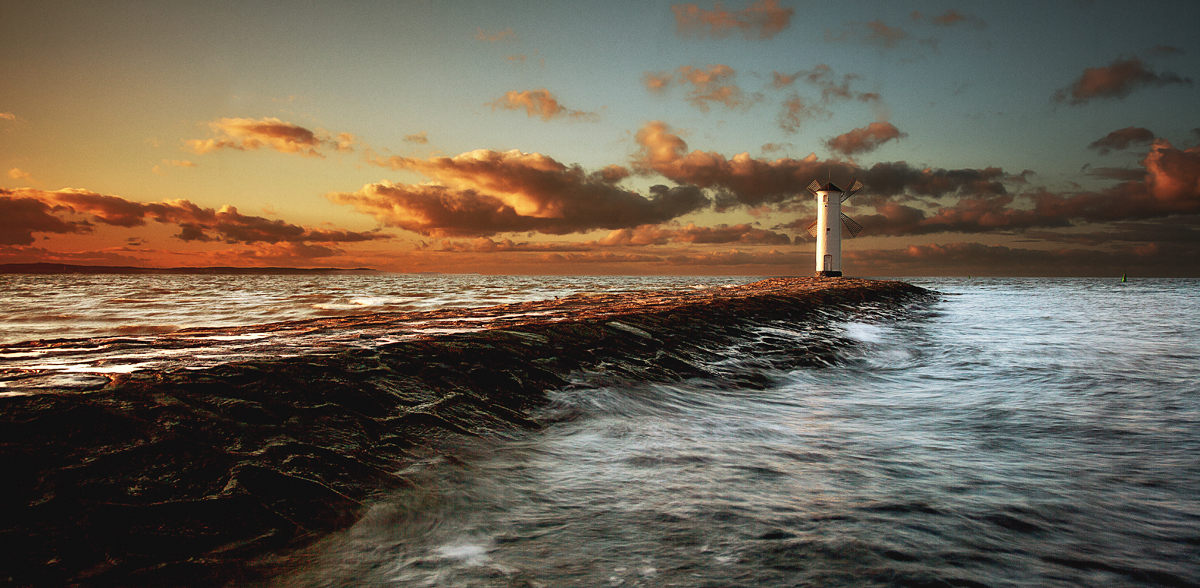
x,y
828,263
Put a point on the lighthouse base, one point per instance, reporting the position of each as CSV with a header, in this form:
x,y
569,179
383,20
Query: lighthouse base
x,y
829,274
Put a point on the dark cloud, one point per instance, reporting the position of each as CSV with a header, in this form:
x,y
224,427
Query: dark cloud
x,y
1122,139
914,201
761,20
195,223
865,139
747,181
1165,50
1115,80
483,193
540,103
21,216
1117,173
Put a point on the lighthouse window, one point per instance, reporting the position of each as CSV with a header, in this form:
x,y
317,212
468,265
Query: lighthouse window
x,y
824,198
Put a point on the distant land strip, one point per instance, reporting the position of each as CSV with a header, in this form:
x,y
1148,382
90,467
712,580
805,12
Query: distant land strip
x,y
63,268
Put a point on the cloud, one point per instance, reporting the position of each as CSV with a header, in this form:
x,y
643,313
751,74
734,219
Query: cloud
x,y
657,81
249,134
998,260
196,223
486,245
796,112
721,234
865,139
178,163
483,192
540,103
418,138
953,17
883,35
709,85
1122,139
737,257
1165,50
22,215
602,257
7,116
19,174
1115,80
1117,173
496,36
761,20
822,77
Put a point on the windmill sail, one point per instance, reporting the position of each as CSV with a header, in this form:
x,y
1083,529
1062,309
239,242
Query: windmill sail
x,y
856,186
812,229
851,226
814,186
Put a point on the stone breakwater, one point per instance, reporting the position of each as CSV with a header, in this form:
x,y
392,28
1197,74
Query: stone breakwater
x,y
197,477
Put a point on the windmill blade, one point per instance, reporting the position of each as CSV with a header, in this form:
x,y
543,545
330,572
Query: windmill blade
x,y
814,186
851,226
856,186
812,229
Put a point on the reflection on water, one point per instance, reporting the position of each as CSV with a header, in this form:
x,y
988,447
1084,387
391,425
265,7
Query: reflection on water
x,y
1007,436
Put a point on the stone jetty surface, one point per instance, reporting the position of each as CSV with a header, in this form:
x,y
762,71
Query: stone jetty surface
x,y
201,477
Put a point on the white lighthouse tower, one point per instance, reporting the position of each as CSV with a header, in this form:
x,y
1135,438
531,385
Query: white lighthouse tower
x,y
828,227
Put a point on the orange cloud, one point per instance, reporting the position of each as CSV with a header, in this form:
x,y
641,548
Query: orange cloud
x,y
19,174
1115,80
658,235
249,134
7,116
657,81
540,103
495,37
418,138
865,139
712,84
482,192
761,20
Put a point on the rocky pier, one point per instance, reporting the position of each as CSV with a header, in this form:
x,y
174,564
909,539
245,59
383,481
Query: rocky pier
x,y
200,477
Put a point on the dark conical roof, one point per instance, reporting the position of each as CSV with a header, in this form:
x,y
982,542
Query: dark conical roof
x,y
830,187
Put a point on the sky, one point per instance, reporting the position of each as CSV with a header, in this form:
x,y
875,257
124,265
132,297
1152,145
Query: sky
x,y
1048,138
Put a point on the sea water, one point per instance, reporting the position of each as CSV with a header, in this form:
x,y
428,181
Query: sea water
x,y
1014,432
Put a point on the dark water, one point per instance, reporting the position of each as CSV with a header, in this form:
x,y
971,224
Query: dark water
x,y
1016,433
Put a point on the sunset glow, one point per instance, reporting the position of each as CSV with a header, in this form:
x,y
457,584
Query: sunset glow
x,y
602,138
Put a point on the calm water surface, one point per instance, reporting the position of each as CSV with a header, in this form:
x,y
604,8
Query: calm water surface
x,y
1016,433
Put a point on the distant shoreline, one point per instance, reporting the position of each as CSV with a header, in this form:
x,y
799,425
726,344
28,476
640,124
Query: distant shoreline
x,y
63,268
